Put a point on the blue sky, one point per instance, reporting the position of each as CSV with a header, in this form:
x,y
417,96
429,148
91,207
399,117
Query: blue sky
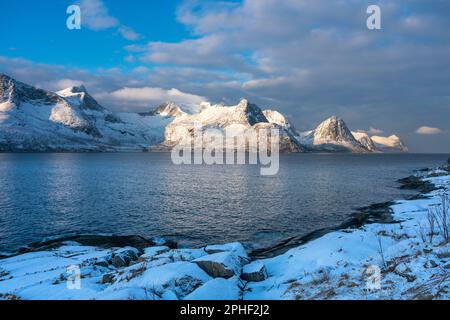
x,y
41,28
307,59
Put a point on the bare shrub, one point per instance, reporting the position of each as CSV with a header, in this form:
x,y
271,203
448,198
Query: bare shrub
x,y
422,232
323,277
381,253
441,218
432,226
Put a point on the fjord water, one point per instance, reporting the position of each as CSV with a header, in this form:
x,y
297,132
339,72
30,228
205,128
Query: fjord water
x,y
44,195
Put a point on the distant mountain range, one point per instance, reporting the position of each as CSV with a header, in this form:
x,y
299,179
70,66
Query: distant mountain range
x,y
33,119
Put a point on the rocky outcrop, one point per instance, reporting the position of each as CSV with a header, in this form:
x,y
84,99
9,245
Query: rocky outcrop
x,y
222,264
332,135
244,119
364,139
124,256
168,109
255,271
32,119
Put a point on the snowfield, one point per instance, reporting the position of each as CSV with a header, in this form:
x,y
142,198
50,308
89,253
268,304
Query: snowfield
x,y
401,260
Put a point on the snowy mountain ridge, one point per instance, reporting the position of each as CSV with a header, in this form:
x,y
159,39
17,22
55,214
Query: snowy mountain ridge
x,y
33,119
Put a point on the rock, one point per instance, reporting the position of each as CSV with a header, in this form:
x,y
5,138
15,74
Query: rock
x,y
217,289
165,242
119,262
107,278
102,263
101,241
255,271
181,254
153,251
431,264
222,264
443,254
181,278
124,256
235,247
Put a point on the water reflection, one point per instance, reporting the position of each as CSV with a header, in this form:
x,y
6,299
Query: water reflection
x,y
47,194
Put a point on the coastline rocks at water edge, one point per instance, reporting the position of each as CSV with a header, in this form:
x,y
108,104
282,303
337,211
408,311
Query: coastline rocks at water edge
x,y
120,273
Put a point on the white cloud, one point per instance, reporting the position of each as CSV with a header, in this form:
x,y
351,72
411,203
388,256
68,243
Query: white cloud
x,y
428,130
129,33
372,131
135,48
67,83
153,96
129,58
141,70
95,16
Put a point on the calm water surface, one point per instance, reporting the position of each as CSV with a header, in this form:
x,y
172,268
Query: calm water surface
x,y
44,195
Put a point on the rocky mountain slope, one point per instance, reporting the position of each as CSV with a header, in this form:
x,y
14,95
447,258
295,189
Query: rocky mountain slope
x,y
332,135
242,119
33,119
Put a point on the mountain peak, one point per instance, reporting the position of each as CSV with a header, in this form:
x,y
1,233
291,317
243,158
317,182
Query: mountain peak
x,y
364,139
334,129
167,109
73,90
243,103
18,92
78,89
332,135
252,112
5,77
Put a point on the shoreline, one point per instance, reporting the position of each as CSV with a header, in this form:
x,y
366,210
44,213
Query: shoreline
x,y
325,263
375,212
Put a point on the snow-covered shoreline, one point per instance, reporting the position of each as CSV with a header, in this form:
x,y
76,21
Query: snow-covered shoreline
x,y
376,261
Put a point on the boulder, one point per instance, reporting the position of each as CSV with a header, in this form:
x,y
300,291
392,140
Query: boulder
x,y
107,278
221,264
151,252
181,278
181,254
124,256
255,271
217,289
104,261
234,247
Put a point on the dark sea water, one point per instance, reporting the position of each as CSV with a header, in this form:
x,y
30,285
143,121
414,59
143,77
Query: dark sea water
x,y
44,195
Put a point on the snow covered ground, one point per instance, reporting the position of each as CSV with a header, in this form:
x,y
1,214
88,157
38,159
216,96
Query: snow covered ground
x,y
401,260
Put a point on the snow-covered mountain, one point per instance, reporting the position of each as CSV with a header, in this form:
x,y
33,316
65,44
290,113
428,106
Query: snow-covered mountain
x,y
364,139
332,135
168,109
389,144
242,117
33,119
